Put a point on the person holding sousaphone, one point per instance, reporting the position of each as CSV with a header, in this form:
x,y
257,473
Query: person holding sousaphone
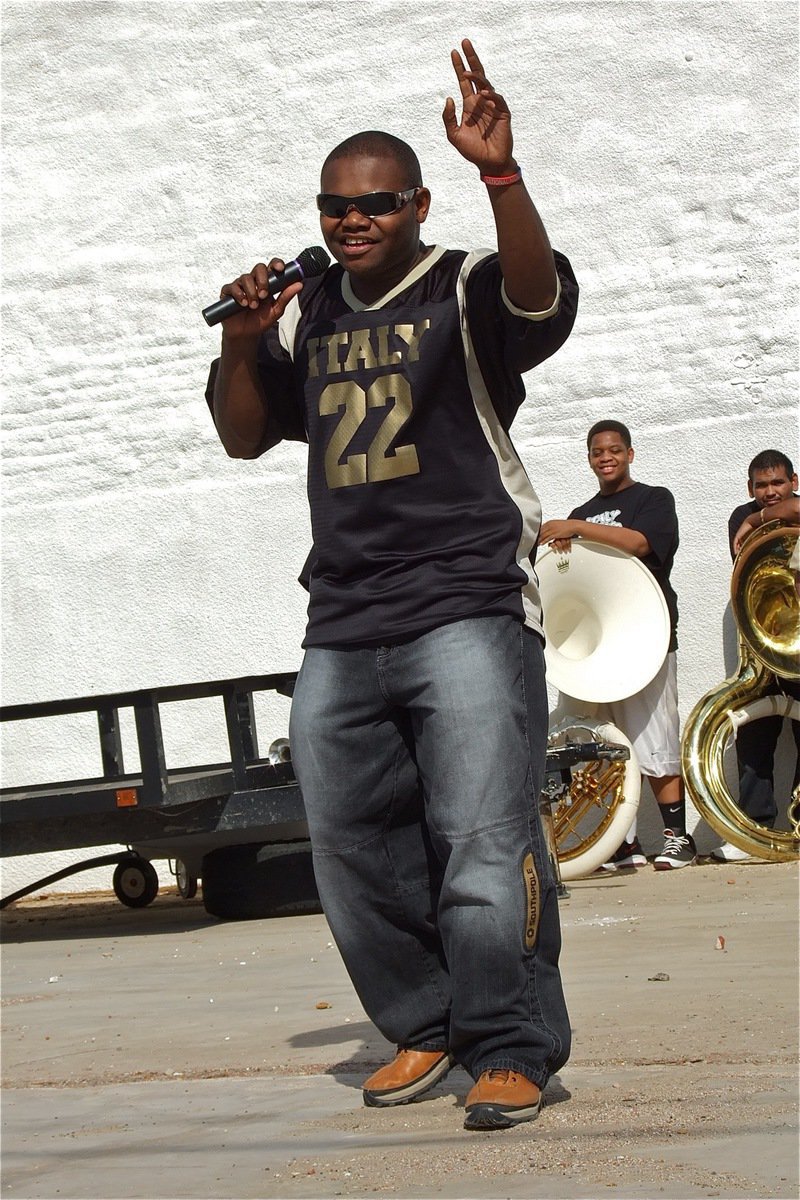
x,y
772,486
775,499
639,520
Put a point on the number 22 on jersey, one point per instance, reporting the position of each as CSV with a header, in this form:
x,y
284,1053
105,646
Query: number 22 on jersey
x,y
353,402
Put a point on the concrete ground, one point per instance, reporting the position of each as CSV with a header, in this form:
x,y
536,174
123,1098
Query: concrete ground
x,y
162,1053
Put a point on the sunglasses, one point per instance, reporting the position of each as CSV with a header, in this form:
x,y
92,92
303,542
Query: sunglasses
x,y
374,204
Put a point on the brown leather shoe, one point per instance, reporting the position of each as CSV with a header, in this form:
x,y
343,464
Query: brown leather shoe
x,y
409,1075
500,1099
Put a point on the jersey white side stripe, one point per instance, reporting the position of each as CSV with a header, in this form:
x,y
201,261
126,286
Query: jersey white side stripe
x,y
512,473
287,326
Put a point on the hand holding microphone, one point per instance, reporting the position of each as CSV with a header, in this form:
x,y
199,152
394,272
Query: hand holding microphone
x,y
246,294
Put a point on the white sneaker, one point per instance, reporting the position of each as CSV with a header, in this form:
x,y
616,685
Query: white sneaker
x,y
728,853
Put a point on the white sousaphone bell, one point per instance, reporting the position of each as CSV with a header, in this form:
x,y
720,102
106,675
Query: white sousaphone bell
x,y
607,630
605,620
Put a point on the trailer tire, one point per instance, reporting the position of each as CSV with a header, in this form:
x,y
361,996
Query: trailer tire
x,y
256,880
135,882
185,880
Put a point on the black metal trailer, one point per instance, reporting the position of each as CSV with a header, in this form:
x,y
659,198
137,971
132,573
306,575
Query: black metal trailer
x,y
237,823
240,825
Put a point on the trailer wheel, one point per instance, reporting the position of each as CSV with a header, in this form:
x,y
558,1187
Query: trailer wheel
x,y
187,883
135,882
256,880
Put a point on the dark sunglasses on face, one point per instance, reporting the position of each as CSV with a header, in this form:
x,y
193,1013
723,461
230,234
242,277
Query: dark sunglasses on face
x,y
373,204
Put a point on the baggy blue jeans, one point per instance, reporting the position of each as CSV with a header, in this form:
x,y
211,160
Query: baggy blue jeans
x,y
420,766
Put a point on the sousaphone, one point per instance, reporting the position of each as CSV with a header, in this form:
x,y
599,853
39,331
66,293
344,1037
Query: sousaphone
x,y
766,609
607,632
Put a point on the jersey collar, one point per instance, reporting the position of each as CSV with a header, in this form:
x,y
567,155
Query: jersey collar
x,y
352,301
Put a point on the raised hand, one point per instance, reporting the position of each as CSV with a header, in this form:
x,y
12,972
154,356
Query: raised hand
x,y
483,136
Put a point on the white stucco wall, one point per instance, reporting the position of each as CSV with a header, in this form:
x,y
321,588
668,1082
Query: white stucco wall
x,y
154,150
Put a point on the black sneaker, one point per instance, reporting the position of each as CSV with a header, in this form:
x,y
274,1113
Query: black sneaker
x,y
629,854
679,851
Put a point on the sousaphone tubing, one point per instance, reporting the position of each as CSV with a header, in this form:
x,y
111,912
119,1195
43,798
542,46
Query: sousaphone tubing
x,y
766,608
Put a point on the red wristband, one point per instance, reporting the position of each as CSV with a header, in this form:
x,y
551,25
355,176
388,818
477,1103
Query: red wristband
x,y
502,180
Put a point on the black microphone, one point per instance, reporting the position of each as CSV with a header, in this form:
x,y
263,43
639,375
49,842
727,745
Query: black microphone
x,y
312,261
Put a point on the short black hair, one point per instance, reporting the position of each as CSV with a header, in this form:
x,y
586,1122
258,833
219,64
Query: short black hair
x,y
609,427
768,459
373,143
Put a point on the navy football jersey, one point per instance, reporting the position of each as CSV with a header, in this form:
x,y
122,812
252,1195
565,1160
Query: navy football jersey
x,y
421,510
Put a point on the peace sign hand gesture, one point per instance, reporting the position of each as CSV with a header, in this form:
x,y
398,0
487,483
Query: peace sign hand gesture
x,y
484,135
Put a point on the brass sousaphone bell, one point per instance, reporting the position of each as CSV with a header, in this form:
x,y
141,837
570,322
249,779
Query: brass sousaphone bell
x,y
766,609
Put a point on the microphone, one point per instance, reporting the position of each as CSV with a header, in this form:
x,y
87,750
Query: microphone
x,y
308,263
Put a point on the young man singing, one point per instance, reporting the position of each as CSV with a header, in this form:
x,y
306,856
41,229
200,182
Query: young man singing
x,y
419,719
